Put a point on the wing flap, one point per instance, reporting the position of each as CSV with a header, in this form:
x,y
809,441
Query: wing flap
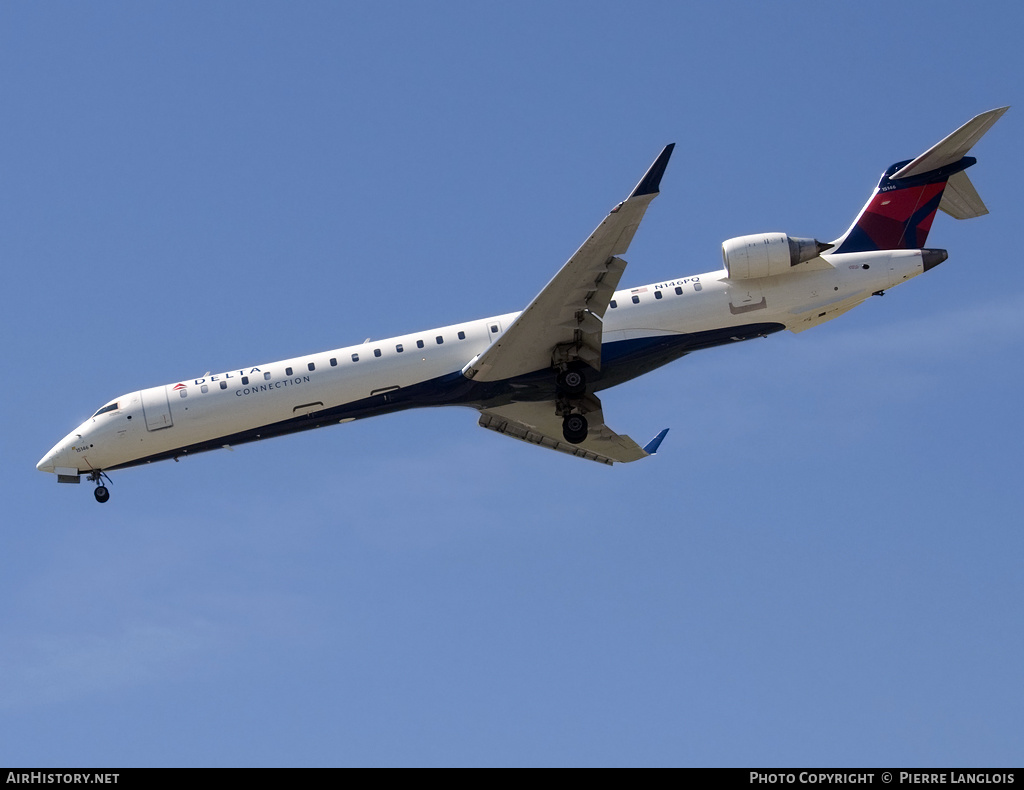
x,y
536,423
606,284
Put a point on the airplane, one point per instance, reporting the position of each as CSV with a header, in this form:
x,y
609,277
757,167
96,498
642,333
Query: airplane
x,y
535,375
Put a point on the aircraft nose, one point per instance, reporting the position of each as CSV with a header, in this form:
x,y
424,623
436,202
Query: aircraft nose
x,y
46,463
57,457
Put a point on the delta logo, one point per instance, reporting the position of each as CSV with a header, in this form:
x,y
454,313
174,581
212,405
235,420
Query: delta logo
x,y
179,386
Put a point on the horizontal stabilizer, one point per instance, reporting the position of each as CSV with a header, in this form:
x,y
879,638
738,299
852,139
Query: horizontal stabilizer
x,y
953,148
960,199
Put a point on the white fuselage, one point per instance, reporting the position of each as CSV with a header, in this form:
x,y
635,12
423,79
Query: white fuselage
x,y
643,328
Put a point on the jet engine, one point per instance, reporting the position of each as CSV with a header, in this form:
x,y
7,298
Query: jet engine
x,y
767,254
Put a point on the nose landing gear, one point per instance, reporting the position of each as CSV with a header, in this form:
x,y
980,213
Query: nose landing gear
x,y
101,493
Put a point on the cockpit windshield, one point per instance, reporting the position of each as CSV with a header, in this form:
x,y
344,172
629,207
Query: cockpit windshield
x,y
105,409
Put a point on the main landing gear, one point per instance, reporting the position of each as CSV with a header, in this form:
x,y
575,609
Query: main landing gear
x,y
574,428
571,385
101,493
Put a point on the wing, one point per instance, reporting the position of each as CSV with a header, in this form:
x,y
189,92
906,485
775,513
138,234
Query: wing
x,y
563,323
536,422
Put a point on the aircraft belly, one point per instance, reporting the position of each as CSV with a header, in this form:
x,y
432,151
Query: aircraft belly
x,y
628,358
622,359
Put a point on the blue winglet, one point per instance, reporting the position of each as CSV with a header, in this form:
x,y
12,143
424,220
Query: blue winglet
x,y
655,443
651,182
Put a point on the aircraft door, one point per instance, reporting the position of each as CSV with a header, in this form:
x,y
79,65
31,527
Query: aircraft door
x,y
156,409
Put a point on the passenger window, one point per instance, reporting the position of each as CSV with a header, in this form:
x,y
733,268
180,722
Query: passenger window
x,y
419,344
657,294
204,389
494,327
245,379
287,371
334,362
636,300
376,352
399,348
696,286
223,385
266,376
355,357
462,335
439,339
679,290
183,393
612,304
311,366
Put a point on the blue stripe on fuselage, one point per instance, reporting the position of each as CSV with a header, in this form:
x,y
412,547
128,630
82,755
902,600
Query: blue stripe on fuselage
x,y
621,361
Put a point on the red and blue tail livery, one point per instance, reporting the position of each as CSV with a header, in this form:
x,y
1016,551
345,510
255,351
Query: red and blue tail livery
x,y
899,215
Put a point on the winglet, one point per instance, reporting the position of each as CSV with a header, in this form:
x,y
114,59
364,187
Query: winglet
x,y
655,443
651,182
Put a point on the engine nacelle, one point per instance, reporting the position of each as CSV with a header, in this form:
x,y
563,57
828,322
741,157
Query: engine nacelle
x,y
767,254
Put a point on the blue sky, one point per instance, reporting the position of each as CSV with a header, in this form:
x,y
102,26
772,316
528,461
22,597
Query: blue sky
x,y
822,566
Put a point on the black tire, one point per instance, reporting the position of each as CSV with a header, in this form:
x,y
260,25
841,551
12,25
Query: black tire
x,y
572,383
574,428
101,494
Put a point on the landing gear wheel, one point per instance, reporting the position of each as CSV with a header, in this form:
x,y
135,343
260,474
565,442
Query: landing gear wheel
x,y
101,493
572,383
574,428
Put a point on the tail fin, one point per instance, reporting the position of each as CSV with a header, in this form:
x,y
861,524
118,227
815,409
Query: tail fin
x,y
899,213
